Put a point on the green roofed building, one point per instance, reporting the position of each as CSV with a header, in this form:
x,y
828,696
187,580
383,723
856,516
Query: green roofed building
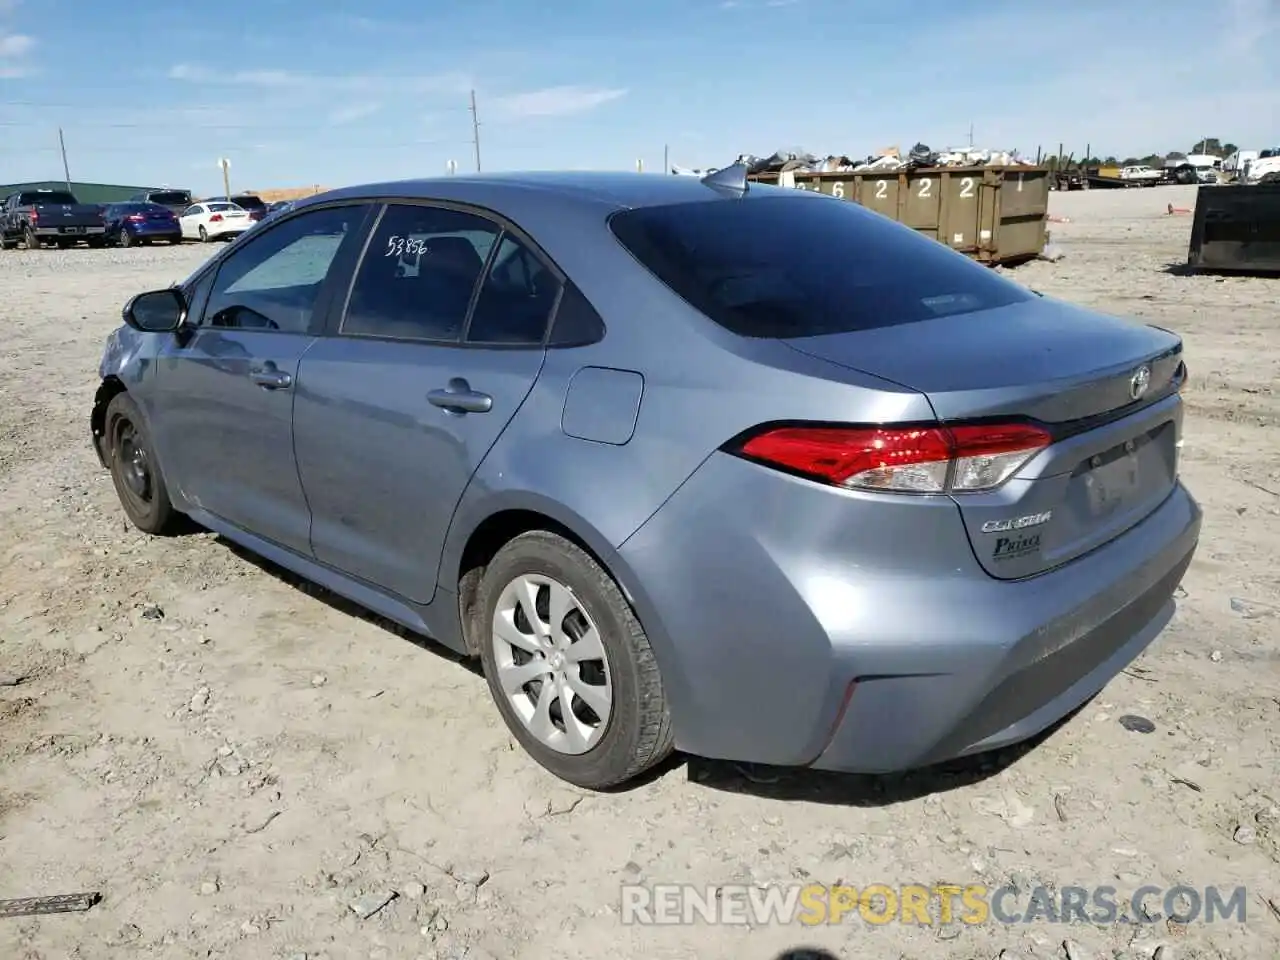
x,y
84,192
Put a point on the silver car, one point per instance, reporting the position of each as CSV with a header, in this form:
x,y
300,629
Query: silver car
x,y
749,472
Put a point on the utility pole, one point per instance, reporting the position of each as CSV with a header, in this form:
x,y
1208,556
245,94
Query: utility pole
x,y
971,136
225,164
66,170
666,159
475,129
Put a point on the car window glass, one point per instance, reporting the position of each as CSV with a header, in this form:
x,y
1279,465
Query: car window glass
x,y
419,273
802,267
273,282
516,299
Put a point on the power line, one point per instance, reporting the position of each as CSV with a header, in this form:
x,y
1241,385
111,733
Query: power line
x,y
245,148
94,125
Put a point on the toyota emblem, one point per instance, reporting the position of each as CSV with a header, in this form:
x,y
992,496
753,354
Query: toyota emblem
x,y
1139,382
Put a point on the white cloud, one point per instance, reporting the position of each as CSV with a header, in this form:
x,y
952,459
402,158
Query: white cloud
x,y
13,45
556,101
354,112
290,80
14,48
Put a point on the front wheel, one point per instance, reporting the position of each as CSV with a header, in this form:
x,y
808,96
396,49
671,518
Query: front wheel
x,y
569,665
135,471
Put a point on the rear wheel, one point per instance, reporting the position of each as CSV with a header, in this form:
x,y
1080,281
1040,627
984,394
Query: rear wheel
x,y
204,234
30,241
126,238
135,471
569,665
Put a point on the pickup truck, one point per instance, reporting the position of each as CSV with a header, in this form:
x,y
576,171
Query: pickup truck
x,y
1143,175
36,217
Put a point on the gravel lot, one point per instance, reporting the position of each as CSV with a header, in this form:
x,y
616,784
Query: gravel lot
x,y
233,758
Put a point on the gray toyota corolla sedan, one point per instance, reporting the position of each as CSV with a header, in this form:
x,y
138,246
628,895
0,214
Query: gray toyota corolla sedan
x,y
750,472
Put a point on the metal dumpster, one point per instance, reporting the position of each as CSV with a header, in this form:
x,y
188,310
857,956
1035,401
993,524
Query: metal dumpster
x,y
993,214
1237,228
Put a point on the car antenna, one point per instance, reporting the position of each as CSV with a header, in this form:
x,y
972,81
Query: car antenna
x,y
730,179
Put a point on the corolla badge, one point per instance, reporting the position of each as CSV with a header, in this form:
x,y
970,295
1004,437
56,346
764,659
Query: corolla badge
x,y
1018,523
1139,382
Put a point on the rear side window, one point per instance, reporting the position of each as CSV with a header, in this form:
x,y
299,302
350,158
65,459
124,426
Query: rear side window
x,y
516,299
784,267
419,273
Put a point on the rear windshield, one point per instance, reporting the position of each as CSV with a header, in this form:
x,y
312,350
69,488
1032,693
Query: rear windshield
x,y
174,197
248,201
801,267
45,196
215,207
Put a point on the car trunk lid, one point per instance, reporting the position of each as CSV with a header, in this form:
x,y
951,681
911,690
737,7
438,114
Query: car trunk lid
x,y
1105,388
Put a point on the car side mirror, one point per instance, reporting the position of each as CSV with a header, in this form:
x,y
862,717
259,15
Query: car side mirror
x,y
156,311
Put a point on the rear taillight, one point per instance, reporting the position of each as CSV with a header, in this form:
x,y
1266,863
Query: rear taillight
x,y
33,215
1182,375
216,218
918,459
135,218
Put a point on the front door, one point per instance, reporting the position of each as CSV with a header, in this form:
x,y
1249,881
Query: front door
x,y
404,397
226,386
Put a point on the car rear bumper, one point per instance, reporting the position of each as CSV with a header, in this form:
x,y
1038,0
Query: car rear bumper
x,y
796,625
69,232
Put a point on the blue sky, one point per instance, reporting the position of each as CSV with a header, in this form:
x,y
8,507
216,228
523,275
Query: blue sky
x,y
297,92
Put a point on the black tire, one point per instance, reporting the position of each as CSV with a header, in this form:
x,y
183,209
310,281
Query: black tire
x,y
204,234
126,238
30,241
638,732
135,471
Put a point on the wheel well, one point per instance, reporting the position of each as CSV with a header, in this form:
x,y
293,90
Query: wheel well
x,y
108,390
484,543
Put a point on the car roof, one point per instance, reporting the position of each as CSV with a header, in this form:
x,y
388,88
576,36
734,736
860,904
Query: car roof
x,y
616,190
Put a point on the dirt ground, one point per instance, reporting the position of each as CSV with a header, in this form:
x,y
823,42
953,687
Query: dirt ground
x,y
233,759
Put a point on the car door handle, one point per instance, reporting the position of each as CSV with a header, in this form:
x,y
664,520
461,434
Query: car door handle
x,y
271,379
458,397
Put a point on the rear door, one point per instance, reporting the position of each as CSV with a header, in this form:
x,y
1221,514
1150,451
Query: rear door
x,y
433,353
226,387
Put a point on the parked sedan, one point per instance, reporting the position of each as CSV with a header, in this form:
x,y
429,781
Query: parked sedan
x,y
251,203
750,472
207,221
133,223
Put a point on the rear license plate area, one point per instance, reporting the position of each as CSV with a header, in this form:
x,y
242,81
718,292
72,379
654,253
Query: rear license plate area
x,y
1128,472
73,229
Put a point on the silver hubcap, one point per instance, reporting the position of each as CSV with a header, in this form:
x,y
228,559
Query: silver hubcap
x,y
551,664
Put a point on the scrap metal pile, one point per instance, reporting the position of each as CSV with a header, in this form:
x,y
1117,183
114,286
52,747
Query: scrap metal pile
x,y
889,159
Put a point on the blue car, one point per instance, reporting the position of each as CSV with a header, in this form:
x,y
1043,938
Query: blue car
x,y
750,472
133,223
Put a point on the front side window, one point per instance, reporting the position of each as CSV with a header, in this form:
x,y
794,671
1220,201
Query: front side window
x,y
273,282
419,273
